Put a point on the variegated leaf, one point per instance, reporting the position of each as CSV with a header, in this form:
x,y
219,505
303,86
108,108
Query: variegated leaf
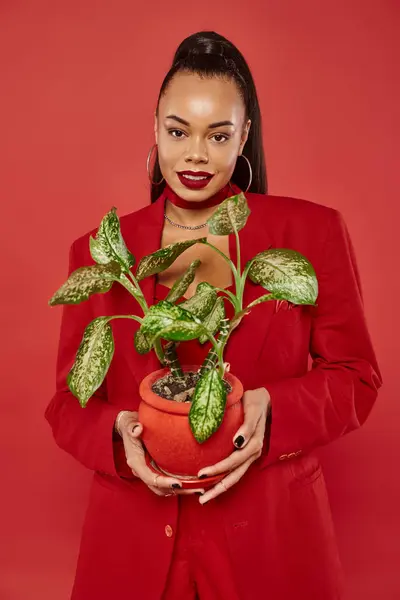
x,y
230,215
161,259
92,361
85,281
287,274
181,285
109,245
202,302
141,341
213,319
170,322
208,406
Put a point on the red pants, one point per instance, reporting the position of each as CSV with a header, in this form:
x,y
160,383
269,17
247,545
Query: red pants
x,y
200,567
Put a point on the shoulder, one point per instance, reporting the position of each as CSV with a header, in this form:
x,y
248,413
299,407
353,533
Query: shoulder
x,y
296,215
289,206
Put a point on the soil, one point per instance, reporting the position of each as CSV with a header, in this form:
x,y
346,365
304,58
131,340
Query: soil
x,y
179,390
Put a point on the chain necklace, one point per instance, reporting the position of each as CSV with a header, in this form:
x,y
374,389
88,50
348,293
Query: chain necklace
x,y
184,226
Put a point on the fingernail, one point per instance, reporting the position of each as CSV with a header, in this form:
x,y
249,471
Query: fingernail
x,y
203,476
176,486
239,441
134,427
199,493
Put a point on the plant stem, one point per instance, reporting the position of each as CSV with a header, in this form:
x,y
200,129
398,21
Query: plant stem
x,y
159,351
172,361
229,296
225,257
133,317
135,291
215,354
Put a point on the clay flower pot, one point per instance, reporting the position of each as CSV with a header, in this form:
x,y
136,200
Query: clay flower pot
x,y
167,434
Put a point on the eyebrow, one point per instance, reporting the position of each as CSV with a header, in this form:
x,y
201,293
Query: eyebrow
x,y
211,126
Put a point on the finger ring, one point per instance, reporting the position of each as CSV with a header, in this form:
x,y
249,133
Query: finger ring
x,y
155,480
223,485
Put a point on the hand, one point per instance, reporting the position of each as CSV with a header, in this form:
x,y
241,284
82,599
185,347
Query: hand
x,y
249,440
130,430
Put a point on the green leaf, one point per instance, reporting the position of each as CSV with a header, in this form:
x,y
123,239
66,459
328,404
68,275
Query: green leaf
x,y
92,360
202,302
181,285
161,259
231,215
141,341
109,245
84,282
287,274
170,322
213,319
208,406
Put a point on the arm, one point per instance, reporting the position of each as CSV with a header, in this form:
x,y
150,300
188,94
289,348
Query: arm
x,y
85,433
337,394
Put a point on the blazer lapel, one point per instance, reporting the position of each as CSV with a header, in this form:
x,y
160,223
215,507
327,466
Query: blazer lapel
x,y
246,343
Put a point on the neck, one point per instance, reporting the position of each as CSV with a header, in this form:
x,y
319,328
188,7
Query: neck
x,y
188,212
212,201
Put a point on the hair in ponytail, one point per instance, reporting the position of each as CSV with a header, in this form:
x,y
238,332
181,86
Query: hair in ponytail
x,y
209,54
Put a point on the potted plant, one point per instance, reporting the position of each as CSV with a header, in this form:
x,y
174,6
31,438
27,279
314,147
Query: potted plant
x,y
189,413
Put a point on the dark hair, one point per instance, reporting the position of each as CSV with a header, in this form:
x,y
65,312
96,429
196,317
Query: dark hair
x,y
209,54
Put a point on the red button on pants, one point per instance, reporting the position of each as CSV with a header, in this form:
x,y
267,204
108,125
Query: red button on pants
x,y
200,567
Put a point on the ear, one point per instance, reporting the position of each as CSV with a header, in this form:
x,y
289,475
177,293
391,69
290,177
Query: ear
x,y
245,135
156,128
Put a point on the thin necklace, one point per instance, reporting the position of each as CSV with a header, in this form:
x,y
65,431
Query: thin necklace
x,y
184,226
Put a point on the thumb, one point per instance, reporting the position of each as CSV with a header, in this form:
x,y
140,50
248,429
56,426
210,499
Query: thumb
x,y
135,430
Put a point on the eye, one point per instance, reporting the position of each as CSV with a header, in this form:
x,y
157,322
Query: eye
x,y
221,135
172,131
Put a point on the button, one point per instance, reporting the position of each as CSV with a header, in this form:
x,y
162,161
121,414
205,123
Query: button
x,y
169,531
283,457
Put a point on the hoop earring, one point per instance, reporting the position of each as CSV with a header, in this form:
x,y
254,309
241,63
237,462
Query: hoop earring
x,y
148,165
250,170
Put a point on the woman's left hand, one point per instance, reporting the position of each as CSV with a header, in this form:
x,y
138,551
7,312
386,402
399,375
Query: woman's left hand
x,y
249,440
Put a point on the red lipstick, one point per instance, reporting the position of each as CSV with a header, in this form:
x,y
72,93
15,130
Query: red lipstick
x,y
196,180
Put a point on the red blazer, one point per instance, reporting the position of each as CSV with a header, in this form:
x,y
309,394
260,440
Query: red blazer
x,y
287,548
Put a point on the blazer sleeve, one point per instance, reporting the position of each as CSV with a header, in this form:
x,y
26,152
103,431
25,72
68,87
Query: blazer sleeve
x,y
337,394
85,433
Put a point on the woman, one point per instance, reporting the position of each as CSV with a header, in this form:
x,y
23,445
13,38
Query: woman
x,y
265,531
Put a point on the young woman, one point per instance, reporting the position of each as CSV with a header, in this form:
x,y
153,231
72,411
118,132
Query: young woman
x,y
264,531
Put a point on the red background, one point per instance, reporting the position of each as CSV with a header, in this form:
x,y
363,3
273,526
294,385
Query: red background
x,y
79,82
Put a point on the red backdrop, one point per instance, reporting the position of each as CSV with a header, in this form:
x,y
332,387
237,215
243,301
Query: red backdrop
x,y
79,81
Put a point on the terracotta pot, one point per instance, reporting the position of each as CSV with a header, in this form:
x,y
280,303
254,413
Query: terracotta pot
x,y
167,434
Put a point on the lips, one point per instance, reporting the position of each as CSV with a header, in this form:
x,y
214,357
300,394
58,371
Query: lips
x,y
195,184
196,173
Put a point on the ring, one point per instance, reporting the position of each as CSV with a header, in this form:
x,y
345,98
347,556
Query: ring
x,y
223,485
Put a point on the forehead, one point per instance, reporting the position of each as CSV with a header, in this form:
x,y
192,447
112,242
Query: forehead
x,y
194,98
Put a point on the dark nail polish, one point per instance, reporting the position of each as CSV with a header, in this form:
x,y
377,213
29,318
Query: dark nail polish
x,y
176,486
199,493
203,476
239,441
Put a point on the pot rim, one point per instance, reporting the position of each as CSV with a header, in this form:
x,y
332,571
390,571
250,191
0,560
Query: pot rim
x,y
183,408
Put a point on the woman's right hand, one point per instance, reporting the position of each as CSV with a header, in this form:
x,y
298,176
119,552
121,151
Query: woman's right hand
x,y
130,430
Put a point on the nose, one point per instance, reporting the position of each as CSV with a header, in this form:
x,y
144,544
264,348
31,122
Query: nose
x,y
196,151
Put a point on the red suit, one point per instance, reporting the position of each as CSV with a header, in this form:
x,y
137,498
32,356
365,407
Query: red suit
x,y
276,521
